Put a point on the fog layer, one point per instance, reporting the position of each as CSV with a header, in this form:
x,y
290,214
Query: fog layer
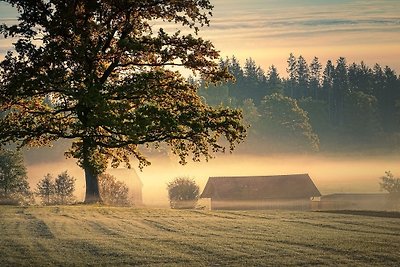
x,y
331,174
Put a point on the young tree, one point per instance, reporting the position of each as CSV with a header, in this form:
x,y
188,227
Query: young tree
x,y
303,77
45,189
315,78
391,184
14,187
327,86
292,81
274,82
99,73
64,187
112,191
255,81
339,90
183,193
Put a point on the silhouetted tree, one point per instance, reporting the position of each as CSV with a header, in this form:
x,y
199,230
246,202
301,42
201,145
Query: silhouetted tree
x,y
360,78
346,104
274,82
45,189
292,81
339,89
387,92
303,78
64,187
315,79
105,67
255,81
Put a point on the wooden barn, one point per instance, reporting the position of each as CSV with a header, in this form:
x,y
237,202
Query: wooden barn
x,y
293,192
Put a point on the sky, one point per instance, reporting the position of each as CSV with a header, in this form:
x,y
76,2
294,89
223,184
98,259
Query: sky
x,y
269,30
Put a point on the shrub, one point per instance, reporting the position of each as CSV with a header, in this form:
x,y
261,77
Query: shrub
x,y
391,184
183,193
113,192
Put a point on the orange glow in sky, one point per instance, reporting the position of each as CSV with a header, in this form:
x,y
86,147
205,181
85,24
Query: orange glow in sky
x,y
269,30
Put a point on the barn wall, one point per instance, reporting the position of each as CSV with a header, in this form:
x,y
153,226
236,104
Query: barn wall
x,y
284,204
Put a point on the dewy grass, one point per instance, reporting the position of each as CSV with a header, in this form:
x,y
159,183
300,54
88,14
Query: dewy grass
x,y
108,236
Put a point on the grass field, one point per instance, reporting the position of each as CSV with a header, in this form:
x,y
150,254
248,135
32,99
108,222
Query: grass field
x,y
108,236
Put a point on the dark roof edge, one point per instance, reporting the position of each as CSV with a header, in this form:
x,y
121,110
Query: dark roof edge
x,y
256,176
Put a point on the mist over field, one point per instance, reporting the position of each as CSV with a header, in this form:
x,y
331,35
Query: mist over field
x,y
331,173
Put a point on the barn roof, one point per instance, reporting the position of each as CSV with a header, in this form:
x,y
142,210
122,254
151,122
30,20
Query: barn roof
x,y
261,187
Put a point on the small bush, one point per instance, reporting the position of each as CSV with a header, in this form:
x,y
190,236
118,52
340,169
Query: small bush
x,y
112,191
391,184
183,193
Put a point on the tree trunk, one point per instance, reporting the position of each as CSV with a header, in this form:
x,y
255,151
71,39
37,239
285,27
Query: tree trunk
x,y
92,186
91,176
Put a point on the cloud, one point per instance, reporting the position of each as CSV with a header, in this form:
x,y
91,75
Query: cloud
x,y
270,29
284,21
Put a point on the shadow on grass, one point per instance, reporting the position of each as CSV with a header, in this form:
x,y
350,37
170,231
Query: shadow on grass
x,y
384,214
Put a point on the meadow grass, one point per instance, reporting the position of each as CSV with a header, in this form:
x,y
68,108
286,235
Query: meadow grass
x,y
111,236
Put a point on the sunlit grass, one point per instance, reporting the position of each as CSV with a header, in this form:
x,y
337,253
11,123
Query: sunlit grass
x,y
92,235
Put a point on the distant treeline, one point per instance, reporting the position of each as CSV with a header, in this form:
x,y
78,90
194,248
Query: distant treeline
x,y
336,106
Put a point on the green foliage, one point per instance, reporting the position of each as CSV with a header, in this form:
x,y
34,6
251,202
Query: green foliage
x,y
317,111
45,189
284,121
350,106
391,184
183,193
64,187
216,95
57,190
251,115
113,192
98,73
361,119
14,187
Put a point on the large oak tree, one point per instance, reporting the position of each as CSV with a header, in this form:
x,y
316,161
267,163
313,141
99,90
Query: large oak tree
x,y
100,73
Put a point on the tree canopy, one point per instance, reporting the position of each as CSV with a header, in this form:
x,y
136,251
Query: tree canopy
x,y
350,107
284,120
101,74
